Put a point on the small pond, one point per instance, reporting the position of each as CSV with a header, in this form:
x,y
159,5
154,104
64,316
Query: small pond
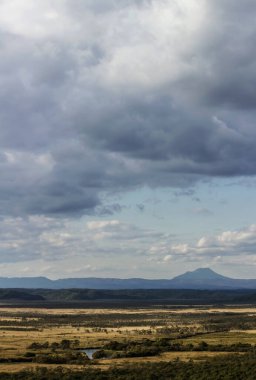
x,y
89,352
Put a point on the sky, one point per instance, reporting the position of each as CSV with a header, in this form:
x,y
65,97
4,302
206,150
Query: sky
x,y
127,137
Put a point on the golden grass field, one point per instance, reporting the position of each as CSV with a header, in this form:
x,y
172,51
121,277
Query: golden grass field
x,y
19,327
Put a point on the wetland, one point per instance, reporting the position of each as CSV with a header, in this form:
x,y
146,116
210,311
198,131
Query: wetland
x,y
100,340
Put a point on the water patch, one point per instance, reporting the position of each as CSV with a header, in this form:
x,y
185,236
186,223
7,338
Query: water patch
x,y
89,352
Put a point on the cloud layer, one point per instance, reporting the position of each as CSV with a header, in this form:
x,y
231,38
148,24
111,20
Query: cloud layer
x,y
61,247
101,98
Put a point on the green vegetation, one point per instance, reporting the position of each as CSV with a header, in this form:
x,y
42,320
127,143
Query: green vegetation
x,y
159,342
169,296
155,347
228,368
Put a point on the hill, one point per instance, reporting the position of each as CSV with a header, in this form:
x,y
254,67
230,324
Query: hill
x,y
202,278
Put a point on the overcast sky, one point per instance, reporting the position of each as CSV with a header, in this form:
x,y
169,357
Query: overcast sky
x,y
127,137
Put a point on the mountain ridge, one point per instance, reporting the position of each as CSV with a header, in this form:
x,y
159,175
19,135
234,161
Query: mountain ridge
x,y
201,278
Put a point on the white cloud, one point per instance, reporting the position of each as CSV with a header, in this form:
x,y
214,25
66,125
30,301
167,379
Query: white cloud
x,y
229,248
246,236
98,225
228,243
167,258
59,244
180,248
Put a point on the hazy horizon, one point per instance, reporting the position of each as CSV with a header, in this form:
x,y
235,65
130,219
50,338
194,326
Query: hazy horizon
x,y
127,138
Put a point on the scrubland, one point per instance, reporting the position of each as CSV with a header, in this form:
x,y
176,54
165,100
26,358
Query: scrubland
x,y
48,339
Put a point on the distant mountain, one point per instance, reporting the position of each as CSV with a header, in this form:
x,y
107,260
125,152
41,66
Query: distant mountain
x,y
202,278
26,282
200,274
206,278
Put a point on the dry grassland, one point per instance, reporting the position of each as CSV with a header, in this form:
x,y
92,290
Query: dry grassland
x,y
20,327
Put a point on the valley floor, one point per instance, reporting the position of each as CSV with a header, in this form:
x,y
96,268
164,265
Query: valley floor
x,y
47,339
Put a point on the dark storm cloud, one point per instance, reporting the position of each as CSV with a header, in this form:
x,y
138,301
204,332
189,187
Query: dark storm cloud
x,y
155,131
226,57
103,97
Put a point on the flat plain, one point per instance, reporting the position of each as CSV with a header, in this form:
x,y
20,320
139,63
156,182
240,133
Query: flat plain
x,y
32,337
